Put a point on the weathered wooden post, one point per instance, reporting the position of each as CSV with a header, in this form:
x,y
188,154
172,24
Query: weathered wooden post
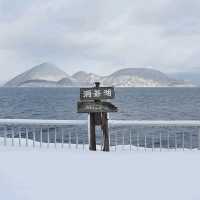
x,y
91,103
92,141
105,130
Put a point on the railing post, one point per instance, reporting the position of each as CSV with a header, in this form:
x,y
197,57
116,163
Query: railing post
x,y
26,137
175,141
115,140
40,137
138,141
109,136
77,141
130,137
89,120
160,141
123,141
83,143
145,142
152,142
168,145
69,140
199,139
34,130
13,132
48,129
62,138
5,136
20,136
191,141
183,141
55,137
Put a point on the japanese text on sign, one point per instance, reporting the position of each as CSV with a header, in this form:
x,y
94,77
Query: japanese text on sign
x,y
97,93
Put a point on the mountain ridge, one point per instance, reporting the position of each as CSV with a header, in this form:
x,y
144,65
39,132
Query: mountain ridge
x,y
49,75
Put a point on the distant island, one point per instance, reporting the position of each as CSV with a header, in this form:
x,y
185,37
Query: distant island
x,y
48,75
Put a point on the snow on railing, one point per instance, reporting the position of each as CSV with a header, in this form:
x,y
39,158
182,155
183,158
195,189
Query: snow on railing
x,y
124,134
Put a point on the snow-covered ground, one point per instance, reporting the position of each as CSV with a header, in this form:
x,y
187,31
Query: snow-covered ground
x,y
56,174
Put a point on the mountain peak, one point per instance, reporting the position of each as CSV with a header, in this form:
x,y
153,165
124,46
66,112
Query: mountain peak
x,y
146,73
79,74
86,78
46,68
43,72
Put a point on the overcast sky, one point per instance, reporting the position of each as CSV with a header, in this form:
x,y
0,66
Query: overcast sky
x,y
99,35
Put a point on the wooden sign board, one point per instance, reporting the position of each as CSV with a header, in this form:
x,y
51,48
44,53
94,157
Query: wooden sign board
x,y
95,107
97,93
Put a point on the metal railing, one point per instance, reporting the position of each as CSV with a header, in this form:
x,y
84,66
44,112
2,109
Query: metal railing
x,y
124,134
40,133
155,135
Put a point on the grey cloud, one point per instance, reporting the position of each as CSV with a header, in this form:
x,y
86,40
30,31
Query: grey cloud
x,y
99,36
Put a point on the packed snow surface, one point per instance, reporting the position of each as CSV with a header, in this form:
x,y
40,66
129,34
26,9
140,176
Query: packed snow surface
x,y
56,174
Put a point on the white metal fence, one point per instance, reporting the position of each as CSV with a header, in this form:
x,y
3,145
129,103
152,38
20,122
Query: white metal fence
x,y
124,134
155,135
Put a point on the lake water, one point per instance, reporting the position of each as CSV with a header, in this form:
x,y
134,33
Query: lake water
x,y
133,104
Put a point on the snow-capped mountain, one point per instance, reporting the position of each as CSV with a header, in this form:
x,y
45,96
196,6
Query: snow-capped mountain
x,y
48,75
86,78
141,77
43,75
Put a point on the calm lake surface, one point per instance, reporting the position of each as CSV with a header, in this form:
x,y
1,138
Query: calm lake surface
x,y
133,103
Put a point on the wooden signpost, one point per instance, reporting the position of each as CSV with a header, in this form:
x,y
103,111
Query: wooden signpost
x,y
91,103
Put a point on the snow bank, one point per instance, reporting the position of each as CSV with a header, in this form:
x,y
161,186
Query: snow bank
x,y
27,174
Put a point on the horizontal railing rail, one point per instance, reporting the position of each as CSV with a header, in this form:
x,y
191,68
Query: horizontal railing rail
x,y
124,134
41,122
184,123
